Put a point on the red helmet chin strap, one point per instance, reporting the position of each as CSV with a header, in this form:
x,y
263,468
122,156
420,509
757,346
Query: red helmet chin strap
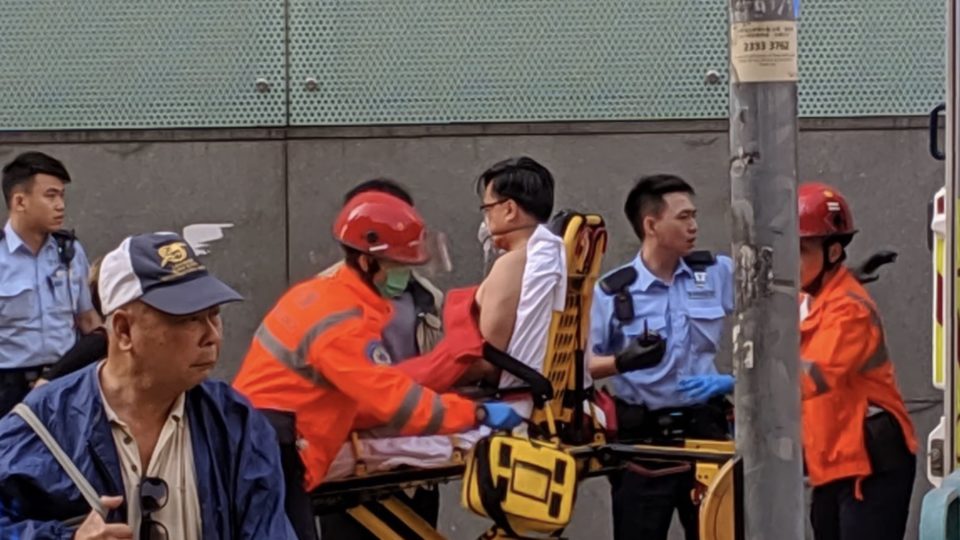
x,y
817,283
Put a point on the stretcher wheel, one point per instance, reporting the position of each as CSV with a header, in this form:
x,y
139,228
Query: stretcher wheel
x,y
716,509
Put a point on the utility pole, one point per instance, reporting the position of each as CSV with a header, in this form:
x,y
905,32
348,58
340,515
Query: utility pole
x,y
763,196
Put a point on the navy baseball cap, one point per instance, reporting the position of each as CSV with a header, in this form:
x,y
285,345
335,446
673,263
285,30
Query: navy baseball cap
x,y
162,271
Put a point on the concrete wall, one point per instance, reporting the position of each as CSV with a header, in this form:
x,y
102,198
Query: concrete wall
x,y
280,190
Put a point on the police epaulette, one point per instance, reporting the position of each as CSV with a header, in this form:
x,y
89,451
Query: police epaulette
x,y
698,261
618,280
617,284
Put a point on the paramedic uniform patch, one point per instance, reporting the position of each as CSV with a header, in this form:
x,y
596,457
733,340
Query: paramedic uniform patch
x,y
378,354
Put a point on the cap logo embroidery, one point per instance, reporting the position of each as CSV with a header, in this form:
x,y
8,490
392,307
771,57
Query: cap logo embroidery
x,y
172,253
176,256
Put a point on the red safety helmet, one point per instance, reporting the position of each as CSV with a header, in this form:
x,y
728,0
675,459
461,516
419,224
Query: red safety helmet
x,y
383,226
823,212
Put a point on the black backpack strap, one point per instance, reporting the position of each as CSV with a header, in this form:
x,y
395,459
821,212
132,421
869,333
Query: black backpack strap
x,y
617,284
698,261
423,300
66,245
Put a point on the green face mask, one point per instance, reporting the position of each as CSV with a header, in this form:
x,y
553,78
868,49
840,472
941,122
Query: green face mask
x,y
395,283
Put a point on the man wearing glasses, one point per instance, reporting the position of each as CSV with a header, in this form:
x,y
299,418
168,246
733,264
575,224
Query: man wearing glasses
x,y
172,455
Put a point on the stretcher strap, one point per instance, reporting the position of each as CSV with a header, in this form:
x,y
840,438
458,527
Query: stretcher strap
x,y
490,497
88,492
540,386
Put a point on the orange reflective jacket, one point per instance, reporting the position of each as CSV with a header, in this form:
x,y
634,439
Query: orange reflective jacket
x,y
846,371
319,355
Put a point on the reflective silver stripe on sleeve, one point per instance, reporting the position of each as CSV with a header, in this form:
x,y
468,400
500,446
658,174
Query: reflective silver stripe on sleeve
x,y
406,408
394,429
296,360
813,370
436,416
877,359
881,355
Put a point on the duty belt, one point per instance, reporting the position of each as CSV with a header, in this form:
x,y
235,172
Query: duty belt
x,y
708,421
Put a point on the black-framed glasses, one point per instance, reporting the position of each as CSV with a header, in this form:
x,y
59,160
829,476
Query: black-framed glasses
x,y
153,496
487,206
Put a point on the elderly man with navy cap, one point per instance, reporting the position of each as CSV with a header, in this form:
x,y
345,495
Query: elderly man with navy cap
x,y
171,454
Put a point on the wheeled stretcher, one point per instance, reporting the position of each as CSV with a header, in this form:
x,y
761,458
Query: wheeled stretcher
x,y
527,485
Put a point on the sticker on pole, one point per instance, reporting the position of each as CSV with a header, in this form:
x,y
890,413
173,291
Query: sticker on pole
x,y
763,51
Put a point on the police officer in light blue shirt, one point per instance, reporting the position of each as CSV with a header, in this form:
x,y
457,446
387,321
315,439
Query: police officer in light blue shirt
x,y
44,297
655,327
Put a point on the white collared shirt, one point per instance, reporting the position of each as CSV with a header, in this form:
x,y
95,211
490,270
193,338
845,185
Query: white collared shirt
x,y
172,460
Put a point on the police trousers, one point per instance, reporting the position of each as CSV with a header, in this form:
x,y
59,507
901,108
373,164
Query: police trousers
x,y
881,514
643,506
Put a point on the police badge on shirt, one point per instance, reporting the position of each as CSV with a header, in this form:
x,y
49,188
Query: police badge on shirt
x,y
378,354
701,288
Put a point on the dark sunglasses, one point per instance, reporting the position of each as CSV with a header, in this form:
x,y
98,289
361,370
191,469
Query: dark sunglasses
x,y
153,496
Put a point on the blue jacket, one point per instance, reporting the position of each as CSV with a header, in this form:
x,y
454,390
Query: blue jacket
x,y
237,462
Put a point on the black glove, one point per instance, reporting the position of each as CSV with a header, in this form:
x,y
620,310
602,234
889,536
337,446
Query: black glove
x,y
866,272
644,351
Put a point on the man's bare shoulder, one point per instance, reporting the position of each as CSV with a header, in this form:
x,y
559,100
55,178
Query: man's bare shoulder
x,y
504,278
510,262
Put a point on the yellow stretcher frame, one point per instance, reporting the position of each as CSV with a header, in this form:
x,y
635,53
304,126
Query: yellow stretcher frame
x,y
559,416
938,249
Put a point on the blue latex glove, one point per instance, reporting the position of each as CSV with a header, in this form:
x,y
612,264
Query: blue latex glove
x,y
700,388
498,415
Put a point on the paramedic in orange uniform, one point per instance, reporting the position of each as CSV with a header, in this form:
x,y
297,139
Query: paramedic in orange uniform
x,y
858,441
319,356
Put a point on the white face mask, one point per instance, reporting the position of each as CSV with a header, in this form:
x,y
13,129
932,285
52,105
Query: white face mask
x,y
490,251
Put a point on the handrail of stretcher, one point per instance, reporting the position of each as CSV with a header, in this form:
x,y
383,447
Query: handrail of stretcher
x,y
354,490
605,458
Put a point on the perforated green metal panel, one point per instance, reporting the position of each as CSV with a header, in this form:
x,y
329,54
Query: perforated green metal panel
x,y
427,61
73,64
871,57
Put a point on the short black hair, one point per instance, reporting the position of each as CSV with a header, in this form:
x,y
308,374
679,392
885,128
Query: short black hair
x,y
646,197
380,185
23,168
525,181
